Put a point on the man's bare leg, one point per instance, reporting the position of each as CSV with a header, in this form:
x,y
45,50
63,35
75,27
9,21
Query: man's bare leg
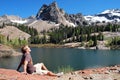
x,y
51,74
44,67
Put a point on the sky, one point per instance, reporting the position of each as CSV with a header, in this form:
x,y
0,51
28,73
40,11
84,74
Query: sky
x,y
26,8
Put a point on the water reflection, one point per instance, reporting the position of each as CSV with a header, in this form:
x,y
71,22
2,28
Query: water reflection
x,y
76,58
10,63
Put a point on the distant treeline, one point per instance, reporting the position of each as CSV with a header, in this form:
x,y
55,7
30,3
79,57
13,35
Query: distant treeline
x,y
18,42
65,34
12,42
82,34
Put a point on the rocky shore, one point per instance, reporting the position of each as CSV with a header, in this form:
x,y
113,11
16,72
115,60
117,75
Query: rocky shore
x,y
105,73
7,74
6,51
101,45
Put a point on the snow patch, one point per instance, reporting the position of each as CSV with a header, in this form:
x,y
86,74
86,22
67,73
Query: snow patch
x,y
70,24
96,18
106,11
110,13
116,14
19,21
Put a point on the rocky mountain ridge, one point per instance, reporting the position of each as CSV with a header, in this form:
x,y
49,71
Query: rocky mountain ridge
x,y
53,13
14,33
52,16
111,16
50,13
11,19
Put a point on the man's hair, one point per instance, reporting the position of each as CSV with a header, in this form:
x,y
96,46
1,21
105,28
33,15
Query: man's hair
x,y
23,49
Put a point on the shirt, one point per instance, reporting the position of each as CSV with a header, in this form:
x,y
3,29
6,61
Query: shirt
x,y
30,67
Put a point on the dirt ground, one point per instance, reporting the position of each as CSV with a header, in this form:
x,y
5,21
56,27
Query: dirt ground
x,y
106,73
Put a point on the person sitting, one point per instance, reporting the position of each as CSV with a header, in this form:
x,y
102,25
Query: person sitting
x,y
29,68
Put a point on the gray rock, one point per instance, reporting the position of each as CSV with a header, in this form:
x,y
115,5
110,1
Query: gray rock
x,y
77,19
6,53
50,13
53,13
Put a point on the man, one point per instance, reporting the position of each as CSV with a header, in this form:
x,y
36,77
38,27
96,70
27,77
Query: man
x,y
28,67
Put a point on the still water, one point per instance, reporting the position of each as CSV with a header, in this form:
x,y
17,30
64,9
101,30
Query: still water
x,y
75,58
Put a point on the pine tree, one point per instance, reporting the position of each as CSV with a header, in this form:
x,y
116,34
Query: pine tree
x,y
94,40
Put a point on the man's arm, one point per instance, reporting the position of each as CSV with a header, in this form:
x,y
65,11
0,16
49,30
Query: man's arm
x,y
19,65
25,67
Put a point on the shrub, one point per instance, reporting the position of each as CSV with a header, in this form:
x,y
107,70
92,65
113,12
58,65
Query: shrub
x,y
65,69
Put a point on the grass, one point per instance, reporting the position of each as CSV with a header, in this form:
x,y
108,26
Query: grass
x,y
65,69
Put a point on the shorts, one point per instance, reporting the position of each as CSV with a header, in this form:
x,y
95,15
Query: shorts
x,y
39,70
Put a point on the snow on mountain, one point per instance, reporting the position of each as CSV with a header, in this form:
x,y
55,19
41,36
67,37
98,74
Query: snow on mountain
x,y
96,19
115,12
19,21
12,18
58,16
106,11
106,16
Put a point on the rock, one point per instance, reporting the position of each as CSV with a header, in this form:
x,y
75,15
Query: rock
x,y
6,51
14,33
77,19
7,74
91,77
88,74
70,78
72,45
53,13
106,72
6,19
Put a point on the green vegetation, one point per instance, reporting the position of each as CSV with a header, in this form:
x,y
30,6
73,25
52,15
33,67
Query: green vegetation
x,y
18,41
81,34
114,42
13,42
65,69
65,34
2,39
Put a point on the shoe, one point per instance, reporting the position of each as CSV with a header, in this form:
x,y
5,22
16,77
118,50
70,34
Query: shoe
x,y
59,74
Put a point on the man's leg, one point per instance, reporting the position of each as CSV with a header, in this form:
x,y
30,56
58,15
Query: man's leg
x,y
51,74
43,66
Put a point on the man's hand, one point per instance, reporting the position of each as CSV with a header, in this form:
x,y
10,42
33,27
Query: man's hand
x,y
24,73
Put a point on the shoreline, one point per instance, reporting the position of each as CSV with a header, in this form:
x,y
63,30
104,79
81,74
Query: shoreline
x,y
6,51
46,45
103,73
69,45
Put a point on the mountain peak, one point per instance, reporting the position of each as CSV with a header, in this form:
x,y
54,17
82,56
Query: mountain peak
x,y
54,4
52,13
47,11
110,15
111,11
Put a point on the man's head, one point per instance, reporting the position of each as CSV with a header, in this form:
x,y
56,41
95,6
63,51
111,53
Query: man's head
x,y
25,49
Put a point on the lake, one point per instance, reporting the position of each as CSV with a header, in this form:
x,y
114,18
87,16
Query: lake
x,y
61,57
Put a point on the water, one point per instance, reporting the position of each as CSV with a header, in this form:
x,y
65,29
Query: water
x,y
75,58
